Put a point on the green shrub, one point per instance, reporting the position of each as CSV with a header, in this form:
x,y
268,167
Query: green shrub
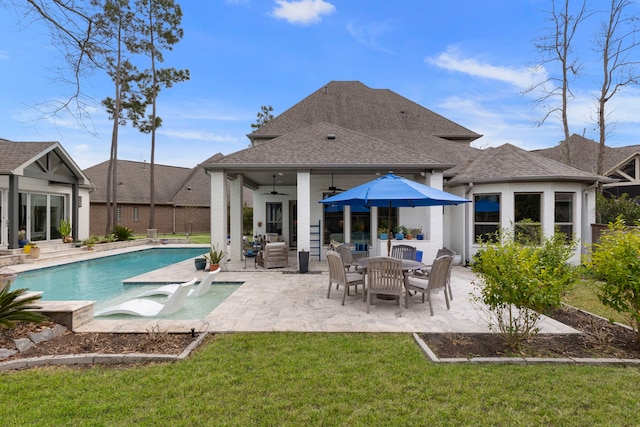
x,y
609,209
122,233
518,282
14,306
615,261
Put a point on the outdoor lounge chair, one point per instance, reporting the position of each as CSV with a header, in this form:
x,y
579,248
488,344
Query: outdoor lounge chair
x,y
200,290
339,276
148,308
427,284
274,255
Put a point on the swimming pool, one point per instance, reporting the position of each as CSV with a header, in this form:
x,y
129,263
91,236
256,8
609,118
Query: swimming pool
x,y
101,279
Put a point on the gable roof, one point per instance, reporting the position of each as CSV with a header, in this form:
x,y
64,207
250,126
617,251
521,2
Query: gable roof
x,y
583,153
133,182
16,156
509,163
352,105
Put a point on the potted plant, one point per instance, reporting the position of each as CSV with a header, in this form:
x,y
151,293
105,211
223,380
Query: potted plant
x,y
215,256
35,251
65,231
383,234
90,243
420,234
400,232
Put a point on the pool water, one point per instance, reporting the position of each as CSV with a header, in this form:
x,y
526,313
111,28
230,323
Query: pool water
x,y
101,279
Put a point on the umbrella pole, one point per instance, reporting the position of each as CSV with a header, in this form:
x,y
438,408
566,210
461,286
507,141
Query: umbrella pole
x,y
389,231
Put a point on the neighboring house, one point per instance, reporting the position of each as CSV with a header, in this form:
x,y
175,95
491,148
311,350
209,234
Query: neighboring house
x,y
181,199
621,164
40,185
345,134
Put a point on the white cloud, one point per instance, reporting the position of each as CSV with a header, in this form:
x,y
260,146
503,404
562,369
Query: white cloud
x,y
523,78
303,11
197,135
368,35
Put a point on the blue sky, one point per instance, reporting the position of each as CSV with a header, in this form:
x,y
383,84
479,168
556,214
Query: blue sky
x,y
467,60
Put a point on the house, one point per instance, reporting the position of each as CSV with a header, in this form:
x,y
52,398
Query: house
x,y
181,201
345,134
621,164
40,185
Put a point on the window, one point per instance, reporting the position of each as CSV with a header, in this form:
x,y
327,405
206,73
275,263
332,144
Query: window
x,y
333,222
274,218
119,213
486,216
136,213
528,218
563,214
384,216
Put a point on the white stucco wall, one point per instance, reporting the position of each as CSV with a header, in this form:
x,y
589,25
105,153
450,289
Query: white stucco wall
x,y
583,211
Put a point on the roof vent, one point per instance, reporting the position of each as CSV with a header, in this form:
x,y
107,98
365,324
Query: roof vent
x,y
331,136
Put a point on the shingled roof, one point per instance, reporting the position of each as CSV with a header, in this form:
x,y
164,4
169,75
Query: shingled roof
x,y
15,156
352,105
509,163
328,145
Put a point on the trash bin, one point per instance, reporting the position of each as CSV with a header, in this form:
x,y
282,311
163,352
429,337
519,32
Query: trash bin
x,y
303,261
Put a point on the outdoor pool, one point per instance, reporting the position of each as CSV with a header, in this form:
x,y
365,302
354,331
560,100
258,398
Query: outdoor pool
x,y
101,279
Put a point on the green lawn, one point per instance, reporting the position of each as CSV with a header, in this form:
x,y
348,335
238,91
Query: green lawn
x,y
319,379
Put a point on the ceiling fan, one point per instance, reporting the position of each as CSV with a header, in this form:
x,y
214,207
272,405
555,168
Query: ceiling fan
x,y
333,188
274,192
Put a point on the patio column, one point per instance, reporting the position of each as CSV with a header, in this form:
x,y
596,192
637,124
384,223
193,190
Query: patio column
x,y
304,210
435,213
218,217
235,199
13,214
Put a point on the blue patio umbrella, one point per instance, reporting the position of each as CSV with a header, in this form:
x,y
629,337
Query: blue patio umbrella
x,y
393,191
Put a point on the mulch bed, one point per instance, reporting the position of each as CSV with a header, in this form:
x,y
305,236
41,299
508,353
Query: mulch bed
x,y
600,339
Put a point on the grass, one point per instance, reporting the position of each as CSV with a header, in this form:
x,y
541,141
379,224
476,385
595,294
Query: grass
x,y
195,238
291,379
288,379
585,296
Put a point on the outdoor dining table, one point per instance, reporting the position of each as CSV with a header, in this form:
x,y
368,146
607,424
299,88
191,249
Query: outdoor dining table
x,y
407,264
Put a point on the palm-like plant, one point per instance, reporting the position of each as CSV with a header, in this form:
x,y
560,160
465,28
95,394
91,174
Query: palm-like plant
x,y
15,306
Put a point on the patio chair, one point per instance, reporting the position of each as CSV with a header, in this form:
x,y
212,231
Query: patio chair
x,y
148,308
436,279
347,257
441,252
339,276
384,277
200,290
403,252
274,255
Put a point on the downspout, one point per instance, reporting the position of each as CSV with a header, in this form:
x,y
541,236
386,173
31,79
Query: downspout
x,y
467,214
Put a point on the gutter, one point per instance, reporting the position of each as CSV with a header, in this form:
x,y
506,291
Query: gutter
x,y
467,246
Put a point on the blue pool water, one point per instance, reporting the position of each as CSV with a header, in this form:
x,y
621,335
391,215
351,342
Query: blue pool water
x,y
101,279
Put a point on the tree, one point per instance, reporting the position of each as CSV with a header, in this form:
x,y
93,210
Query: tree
x,y
158,21
264,117
113,30
556,47
72,29
617,44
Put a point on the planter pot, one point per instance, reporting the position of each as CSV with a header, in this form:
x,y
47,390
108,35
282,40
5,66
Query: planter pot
x,y
200,263
384,236
303,260
420,237
399,236
77,244
89,247
67,239
34,252
213,267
